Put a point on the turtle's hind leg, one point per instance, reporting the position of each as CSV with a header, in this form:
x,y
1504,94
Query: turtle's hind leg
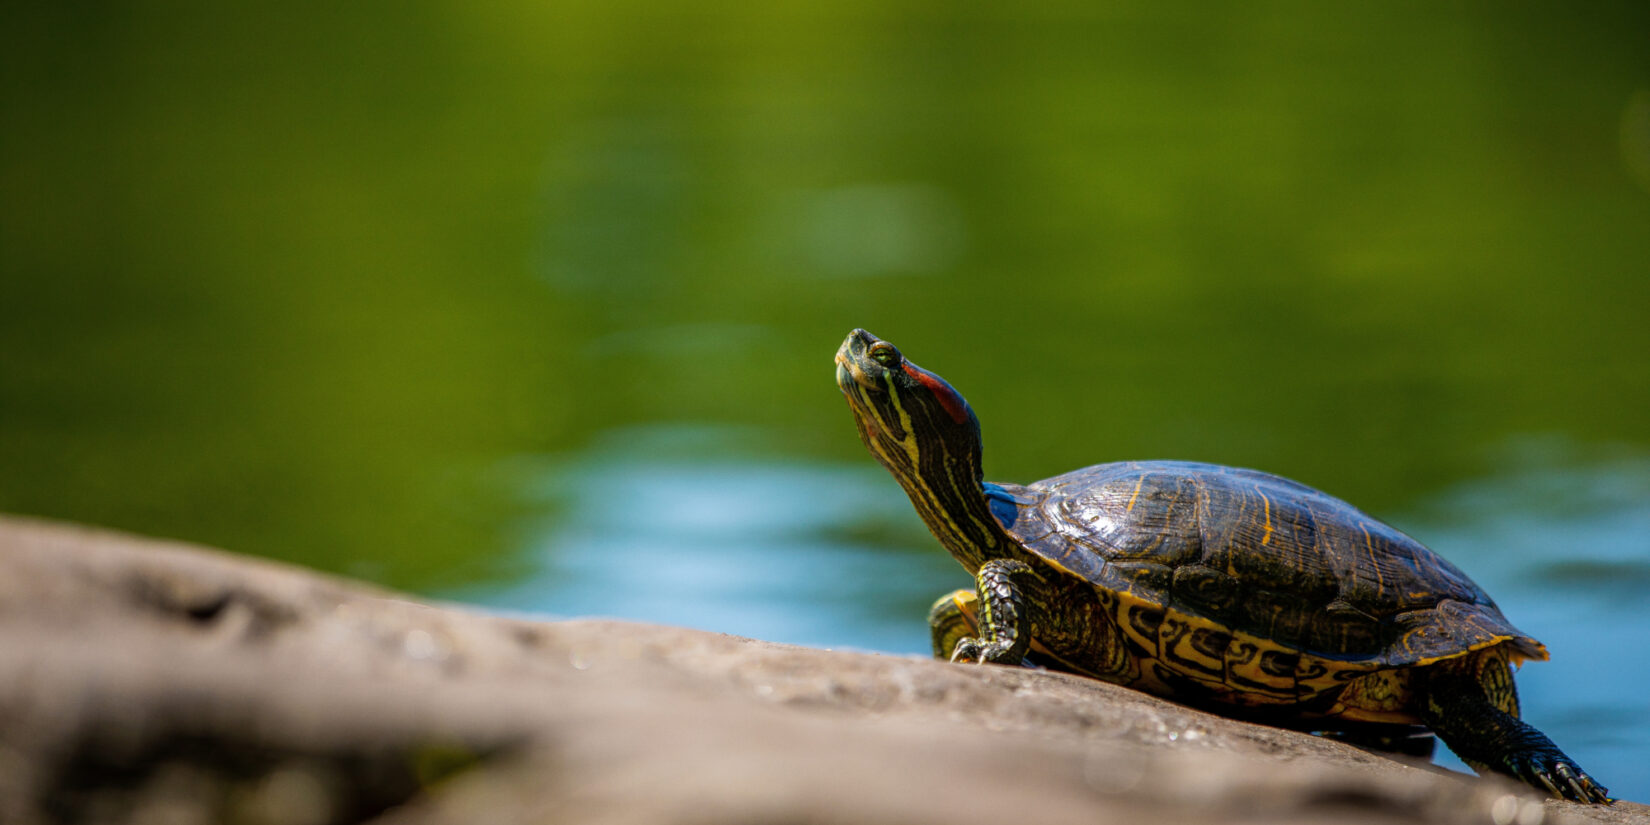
x,y
1473,706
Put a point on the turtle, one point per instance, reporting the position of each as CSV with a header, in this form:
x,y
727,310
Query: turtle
x,y
1224,588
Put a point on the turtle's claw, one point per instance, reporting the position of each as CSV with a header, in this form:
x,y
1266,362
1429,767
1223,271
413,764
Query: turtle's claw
x,y
1545,779
1581,787
968,650
1563,778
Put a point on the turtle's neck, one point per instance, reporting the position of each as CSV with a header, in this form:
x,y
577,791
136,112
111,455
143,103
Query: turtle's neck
x,y
945,487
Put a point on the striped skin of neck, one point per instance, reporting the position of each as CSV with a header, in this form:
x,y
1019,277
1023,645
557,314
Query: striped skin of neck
x,y
923,431
952,502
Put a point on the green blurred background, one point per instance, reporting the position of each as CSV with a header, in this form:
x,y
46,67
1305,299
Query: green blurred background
x,y
533,305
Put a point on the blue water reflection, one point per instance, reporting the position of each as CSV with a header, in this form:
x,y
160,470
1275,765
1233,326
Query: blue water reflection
x,y
654,526
688,526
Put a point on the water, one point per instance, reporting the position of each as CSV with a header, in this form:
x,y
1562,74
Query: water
x,y
534,306
647,527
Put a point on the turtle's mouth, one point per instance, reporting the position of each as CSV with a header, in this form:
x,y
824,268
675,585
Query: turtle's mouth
x,y
867,400
850,373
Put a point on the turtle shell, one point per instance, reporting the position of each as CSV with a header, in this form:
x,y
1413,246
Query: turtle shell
x,y
1245,558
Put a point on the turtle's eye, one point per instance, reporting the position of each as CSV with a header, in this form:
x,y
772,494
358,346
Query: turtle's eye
x,y
885,354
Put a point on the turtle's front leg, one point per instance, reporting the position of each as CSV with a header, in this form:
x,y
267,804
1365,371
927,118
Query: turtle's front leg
x,y
1003,621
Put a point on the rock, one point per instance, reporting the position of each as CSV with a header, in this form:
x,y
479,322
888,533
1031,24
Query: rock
x,y
146,681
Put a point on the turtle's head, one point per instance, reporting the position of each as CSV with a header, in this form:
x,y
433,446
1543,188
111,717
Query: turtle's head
x,y
910,418
925,434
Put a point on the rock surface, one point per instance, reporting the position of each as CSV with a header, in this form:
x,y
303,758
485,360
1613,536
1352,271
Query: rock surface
x,y
144,681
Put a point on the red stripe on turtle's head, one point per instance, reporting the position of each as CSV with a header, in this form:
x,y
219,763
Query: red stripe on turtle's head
x,y
949,398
